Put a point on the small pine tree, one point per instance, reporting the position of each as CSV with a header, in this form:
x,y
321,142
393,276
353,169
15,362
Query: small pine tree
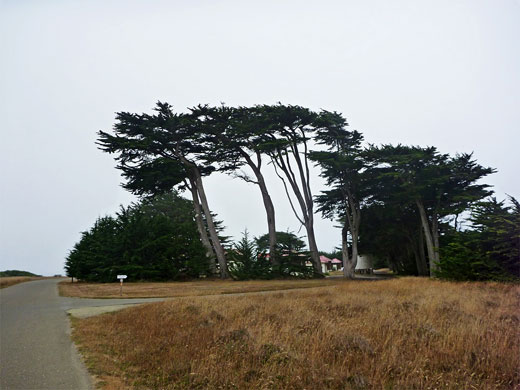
x,y
246,262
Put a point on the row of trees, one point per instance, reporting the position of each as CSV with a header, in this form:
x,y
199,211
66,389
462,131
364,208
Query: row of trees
x,y
405,187
157,239
167,150
412,190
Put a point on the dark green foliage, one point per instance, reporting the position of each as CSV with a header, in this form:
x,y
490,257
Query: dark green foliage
x,y
461,260
489,249
389,233
499,228
165,151
291,254
445,185
344,168
285,242
247,262
436,185
248,258
155,152
296,265
394,202
156,239
15,272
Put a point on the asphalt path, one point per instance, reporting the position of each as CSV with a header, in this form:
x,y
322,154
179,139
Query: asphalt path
x,y
36,351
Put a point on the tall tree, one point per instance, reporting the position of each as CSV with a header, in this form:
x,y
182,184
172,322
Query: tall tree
x,y
232,135
342,168
144,142
287,135
437,184
498,228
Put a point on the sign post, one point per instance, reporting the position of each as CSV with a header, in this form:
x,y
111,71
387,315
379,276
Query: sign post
x,y
121,278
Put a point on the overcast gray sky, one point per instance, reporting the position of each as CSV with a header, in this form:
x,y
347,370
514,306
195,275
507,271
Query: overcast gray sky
x,y
442,73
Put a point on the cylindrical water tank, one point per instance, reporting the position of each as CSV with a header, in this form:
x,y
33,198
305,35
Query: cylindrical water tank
x,y
364,262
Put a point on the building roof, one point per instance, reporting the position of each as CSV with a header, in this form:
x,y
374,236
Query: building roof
x,y
325,259
336,261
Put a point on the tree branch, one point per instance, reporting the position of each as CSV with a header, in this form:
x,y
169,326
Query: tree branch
x,y
287,193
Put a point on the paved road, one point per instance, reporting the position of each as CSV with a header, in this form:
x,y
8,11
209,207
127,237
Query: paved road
x,y
35,347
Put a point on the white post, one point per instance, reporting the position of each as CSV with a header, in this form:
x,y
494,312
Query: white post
x,y
121,278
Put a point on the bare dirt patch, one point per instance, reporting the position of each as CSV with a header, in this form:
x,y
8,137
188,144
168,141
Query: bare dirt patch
x,y
407,333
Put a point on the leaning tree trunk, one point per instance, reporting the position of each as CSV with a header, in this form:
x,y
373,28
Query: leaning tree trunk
x,y
219,250
422,255
269,208
210,254
304,200
427,237
271,224
307,206
422,267
313,247
435,236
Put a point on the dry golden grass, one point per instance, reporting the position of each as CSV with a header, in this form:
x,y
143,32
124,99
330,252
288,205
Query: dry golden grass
x,y
8,281
183,289
406,333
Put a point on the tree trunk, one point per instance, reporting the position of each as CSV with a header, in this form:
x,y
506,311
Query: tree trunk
x,y
269,208
313,248
354,259
271,224
435,235
348,267
210,254
422,267
219,251
304,200
351,224
427,236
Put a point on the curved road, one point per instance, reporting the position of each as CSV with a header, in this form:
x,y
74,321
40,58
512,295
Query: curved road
x,y
36,351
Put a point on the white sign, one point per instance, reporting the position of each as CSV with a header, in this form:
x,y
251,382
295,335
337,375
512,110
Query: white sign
x,y
121,276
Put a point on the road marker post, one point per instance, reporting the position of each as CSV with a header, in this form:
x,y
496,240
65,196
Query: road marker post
x,y
121,278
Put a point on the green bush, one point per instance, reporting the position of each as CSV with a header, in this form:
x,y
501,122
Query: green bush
x,y
153,240
489,249
248,259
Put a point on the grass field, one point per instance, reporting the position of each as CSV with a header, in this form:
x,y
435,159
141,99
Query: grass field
x,y
7,281
183,289
406,333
